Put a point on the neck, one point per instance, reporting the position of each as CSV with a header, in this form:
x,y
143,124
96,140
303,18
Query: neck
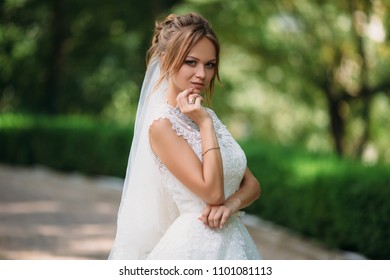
x,y
171,100
171,95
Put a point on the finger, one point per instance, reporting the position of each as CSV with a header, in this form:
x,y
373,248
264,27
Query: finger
x,y
204,216
198,100
182,96
210,220
192,98
220,216
185,93
216,220
224,218
214,217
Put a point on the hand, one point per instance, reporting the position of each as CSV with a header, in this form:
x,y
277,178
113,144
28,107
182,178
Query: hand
x,y
215,216
189,102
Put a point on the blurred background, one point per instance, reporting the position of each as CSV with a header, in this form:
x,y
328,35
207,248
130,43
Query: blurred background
x,y
305,89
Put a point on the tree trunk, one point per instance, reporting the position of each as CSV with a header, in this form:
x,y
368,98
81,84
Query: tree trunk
x,y
365,93
365,137
337,125
55,59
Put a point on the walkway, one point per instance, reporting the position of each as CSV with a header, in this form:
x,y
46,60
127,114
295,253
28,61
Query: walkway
x,y
51,215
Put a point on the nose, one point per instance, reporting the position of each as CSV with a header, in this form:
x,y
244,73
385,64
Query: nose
x,y
200,72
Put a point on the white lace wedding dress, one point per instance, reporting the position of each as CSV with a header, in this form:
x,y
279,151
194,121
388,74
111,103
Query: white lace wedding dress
x,y
187,237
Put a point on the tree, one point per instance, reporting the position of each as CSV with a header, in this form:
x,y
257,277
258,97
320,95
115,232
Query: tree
x,y
335,50
74,56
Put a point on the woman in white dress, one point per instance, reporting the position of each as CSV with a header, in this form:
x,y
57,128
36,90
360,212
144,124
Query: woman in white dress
x,y
187,177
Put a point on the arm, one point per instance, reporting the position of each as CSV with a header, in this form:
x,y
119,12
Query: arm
x,y
204,179
249,191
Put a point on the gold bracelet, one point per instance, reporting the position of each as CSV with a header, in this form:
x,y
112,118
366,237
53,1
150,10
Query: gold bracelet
x,y
216,148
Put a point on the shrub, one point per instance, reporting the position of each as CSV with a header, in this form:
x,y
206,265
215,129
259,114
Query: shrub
x,y
343,204
69,144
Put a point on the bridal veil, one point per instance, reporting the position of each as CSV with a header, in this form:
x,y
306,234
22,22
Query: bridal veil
x,y
145,210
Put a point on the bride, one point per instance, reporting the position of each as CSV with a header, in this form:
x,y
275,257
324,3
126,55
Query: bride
x,y
187,177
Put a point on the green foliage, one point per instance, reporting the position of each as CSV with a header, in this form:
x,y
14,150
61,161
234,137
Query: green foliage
x,y
341,203
65,143
73,56
281,61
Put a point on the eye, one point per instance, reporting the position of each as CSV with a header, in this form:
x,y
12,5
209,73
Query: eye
x,y
190,62
211,65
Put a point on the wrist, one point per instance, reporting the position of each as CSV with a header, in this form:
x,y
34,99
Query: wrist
x,y
234,204
206,123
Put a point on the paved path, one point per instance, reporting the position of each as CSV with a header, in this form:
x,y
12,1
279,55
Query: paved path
x,y
50,215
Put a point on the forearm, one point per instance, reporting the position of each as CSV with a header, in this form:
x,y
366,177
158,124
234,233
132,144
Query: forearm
x,y
212,162
217,215
248,192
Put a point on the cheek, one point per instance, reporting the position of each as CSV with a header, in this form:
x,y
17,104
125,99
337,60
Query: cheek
x,y
183,74
210,74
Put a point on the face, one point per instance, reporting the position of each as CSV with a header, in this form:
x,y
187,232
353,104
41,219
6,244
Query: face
x,y
197,70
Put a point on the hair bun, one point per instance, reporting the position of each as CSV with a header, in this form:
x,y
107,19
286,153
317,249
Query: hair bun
x,y
159,26
169,19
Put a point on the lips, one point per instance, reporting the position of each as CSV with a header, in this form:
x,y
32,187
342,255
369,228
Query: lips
x,y
197,85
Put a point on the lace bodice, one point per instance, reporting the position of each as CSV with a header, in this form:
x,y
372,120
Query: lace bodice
x,y
233,158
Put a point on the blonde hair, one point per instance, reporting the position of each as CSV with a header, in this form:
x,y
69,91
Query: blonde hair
x,y
174,38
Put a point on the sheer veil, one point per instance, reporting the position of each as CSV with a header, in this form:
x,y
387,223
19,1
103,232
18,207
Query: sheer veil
x,y
146,210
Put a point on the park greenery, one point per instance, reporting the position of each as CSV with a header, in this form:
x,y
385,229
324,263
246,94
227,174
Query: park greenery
x,y
305,90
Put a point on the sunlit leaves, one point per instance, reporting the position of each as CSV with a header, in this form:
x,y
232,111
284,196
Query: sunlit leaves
x,y
302,53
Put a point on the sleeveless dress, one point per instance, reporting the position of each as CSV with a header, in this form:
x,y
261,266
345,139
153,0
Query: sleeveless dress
x,y
187,237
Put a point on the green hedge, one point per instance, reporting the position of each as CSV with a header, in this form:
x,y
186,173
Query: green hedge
x,y
341,203
70,144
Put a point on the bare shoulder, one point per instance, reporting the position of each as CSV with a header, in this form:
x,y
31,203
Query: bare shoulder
x,y
170,148
159,127
161,134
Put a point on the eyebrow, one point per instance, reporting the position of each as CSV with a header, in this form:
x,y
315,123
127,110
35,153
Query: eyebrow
x,y
189,56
